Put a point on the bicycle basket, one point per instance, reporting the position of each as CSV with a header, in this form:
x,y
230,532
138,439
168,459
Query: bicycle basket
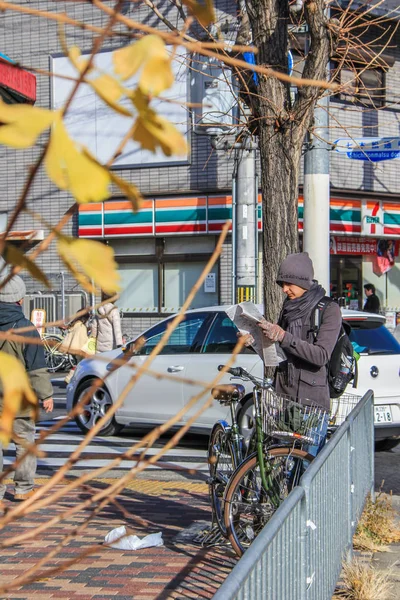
x,y
341,407
285,419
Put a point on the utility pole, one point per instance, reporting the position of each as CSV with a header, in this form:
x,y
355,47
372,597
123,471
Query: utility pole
x,y
316,195
244,216
316,217
245,223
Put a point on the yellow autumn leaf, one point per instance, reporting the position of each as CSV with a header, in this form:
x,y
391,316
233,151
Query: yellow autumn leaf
x,y
75,57
153,131
129,190
203,11
15,257
16,391
21,124
110,91
89,260
72,168
149,55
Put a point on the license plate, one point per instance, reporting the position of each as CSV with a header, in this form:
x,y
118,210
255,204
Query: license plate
x,y
383,414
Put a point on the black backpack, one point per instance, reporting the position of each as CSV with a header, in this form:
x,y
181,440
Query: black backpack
x,y
342,366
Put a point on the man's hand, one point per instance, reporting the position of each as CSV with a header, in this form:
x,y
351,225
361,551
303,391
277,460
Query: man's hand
x,y
272,332
48,404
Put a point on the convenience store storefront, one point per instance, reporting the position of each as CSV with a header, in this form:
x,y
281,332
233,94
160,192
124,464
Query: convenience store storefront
x,y
159,263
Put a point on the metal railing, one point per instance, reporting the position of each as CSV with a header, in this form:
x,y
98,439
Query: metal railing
x,y
299,553
58,304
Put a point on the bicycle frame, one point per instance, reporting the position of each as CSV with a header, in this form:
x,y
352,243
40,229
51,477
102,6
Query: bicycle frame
x,y
258,440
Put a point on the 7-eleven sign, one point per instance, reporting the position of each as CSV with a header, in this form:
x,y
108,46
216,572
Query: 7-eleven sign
x,y
372,217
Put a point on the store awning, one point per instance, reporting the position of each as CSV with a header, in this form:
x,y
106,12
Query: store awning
x,y
16,84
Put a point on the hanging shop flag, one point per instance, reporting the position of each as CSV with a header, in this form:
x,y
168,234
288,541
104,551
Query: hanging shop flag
x,y
384,259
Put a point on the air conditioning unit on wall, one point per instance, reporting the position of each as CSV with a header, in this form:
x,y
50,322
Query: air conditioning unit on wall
x,y
214,92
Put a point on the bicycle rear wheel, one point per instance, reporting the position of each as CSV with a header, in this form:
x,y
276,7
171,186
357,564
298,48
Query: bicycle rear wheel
x,y
55,360
221,462
248,505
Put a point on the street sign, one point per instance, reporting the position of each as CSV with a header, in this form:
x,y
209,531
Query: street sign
x,y
373,149
298,28
38,318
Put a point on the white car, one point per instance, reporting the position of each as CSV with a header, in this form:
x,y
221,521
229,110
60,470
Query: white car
x,y
199,344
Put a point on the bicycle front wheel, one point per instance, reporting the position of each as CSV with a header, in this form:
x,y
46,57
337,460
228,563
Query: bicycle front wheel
x,y
221,462
249,504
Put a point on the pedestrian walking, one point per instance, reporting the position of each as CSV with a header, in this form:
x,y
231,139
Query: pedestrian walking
x,y
304,373
106,327
75,339
32,357
372,303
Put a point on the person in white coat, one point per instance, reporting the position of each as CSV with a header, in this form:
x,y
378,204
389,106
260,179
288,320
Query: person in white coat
x,y
106,327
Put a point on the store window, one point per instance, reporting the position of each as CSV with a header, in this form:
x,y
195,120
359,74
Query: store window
x,y
346,281
180,277
140,287
160,282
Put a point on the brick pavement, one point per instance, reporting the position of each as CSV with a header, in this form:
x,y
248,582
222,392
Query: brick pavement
x,y
176,570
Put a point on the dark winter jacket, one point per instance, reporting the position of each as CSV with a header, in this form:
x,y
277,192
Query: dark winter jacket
x,y
31,355
304,375
372,304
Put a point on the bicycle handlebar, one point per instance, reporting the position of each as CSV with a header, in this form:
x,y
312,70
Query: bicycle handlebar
x,y
242,373
235,371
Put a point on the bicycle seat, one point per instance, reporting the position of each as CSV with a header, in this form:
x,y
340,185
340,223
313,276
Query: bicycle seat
x,y
227,393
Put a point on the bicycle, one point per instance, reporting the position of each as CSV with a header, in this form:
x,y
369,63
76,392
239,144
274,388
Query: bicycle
x,y
55,359
275,460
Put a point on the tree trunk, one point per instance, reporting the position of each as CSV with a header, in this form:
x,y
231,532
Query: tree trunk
x,y
281,127
279,183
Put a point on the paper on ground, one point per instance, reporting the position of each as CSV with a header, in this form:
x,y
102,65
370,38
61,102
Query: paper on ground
x,y
246,317
118,538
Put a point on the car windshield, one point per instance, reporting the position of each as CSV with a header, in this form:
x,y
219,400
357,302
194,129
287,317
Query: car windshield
x,y
371,337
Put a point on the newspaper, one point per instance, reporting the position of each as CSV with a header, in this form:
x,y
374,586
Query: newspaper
x,y
246,317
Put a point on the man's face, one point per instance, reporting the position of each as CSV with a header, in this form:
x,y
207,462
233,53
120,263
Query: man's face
x,y
368,293
293,291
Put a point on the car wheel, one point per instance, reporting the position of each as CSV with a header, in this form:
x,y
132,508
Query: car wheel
x,y
246,419
385,445
96,406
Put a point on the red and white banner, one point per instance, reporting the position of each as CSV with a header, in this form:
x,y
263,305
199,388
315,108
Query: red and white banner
x,y
362,246
38,318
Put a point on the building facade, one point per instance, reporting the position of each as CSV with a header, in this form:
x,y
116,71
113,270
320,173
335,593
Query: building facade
x,y
162,249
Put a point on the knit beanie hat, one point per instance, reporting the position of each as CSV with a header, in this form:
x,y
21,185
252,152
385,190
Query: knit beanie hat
x,y
14,290
297,269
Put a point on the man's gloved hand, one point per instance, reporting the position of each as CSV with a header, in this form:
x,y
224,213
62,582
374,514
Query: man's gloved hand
x,y
272,332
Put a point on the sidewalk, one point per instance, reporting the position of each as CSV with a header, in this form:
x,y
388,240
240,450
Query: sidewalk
x,y
386,563
389,562
176,570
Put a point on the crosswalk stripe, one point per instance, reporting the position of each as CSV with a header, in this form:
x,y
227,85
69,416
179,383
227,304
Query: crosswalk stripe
x,y
102,450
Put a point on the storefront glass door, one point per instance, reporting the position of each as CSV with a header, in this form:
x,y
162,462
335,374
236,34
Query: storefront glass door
x,y
346,280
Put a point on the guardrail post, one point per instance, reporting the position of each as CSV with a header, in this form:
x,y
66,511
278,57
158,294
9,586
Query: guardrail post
x,y
304,547
372,436
350,491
